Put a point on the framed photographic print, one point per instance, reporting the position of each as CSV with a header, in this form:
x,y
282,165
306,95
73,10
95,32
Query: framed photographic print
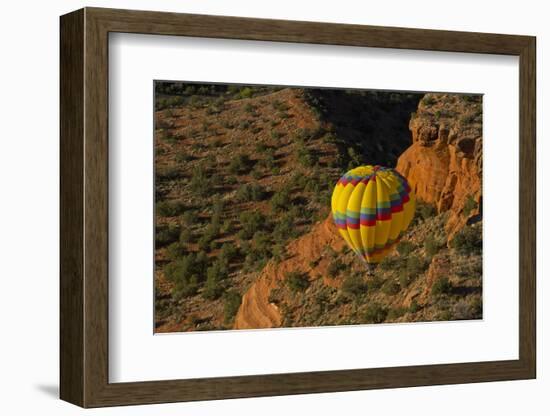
x,y
255,207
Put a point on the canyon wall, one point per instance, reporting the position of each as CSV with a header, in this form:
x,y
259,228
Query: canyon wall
x,y
444,162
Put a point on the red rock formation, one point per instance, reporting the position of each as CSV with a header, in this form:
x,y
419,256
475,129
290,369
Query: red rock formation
x,y
444,163
256,311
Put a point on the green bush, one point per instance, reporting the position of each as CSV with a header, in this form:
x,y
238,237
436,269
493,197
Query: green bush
x,y
182,157
296,281
375,313
442,286
213,288
469,206
414,307
354,285
186,235
334,268
250,192
185,274
280,201
209,235
228,252
232,302
425,210
245,92
169,208
284,229
468,240
431,245
200,183
166,234
306,157
391,287
240,164
428,100
405,247
396,313
250,223
167,173
175,250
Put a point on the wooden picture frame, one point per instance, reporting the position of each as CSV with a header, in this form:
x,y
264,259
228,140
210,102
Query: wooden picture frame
x,y
84,207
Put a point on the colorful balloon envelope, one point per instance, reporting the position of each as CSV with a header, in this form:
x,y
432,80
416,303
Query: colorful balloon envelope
x,y
372,207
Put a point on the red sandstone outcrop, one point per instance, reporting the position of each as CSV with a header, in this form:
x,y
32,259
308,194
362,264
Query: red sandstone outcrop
x,y
444,163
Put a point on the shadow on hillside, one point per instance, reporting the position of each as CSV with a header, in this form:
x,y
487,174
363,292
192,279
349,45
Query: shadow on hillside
x,y
371,127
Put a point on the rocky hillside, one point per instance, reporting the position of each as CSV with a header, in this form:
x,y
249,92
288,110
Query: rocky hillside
x,y
444,163
244,238
435,272
241,172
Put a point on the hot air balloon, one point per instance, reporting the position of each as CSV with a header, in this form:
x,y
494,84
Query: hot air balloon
x,y
372,206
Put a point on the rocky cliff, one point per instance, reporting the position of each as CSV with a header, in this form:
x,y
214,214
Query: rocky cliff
x,y
444,162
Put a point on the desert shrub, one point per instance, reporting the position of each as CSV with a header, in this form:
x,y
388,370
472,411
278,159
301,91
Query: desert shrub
x,y
276,135
182,157
468,240
250,223
245,92
185,274
244,124
166,234
250,192
395,313
279,105
169,208
296,281
464,309
188,218
415,266
354,285
392,263
375,283
432,245
375,313
334,268
428,100
425,210
186,235
228,252
175,250
404,248
240,164
412,268
306,157
208,237
284,229
442,286
355,158
278,252
249,108
231,303
199,184
391,287
261,243
213,288
469,206
414,306
280,200
167,173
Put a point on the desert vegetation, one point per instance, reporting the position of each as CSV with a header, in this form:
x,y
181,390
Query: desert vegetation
x,y
242,173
